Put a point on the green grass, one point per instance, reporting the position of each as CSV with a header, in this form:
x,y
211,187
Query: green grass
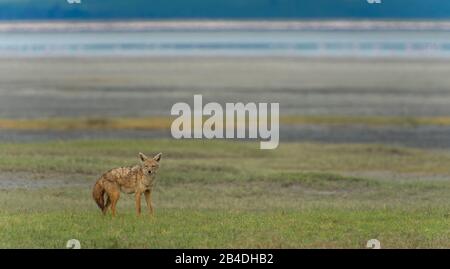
x,y
174,228
219,194
60,215
212,160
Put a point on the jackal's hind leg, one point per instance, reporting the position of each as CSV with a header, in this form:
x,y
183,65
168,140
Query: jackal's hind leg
x,y
113,193
107,205
114,196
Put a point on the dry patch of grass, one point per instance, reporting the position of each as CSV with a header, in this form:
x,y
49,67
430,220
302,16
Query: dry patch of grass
x,y
86,123
366,120
163,123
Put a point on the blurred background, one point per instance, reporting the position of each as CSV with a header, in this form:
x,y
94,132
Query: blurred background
x,y
342,71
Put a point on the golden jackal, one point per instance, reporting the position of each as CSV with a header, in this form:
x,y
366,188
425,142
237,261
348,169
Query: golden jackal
x,y
138,179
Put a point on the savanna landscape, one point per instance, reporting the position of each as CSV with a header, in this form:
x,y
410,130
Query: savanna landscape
x,y
222,194
363,153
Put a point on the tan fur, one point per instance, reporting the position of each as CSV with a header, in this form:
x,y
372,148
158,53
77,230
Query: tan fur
x,y
138,179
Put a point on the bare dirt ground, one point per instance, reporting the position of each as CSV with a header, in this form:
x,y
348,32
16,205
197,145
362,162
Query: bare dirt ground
x,y
26,180
107,87
136,87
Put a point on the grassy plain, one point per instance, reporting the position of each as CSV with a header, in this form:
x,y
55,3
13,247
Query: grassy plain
x,y
220,194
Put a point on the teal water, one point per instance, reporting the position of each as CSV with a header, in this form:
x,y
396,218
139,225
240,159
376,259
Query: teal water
x,y
342,43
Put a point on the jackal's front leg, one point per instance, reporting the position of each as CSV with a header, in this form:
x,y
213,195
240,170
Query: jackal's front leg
x,y
148,199
138,203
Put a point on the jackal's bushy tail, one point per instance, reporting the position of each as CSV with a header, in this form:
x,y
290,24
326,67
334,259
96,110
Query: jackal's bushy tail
x,y
98,195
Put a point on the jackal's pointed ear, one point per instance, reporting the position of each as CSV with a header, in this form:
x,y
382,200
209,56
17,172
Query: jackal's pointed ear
x,y
157,157
142,156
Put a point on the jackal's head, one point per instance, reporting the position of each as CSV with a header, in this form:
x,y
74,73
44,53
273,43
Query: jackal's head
x,y
150,165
